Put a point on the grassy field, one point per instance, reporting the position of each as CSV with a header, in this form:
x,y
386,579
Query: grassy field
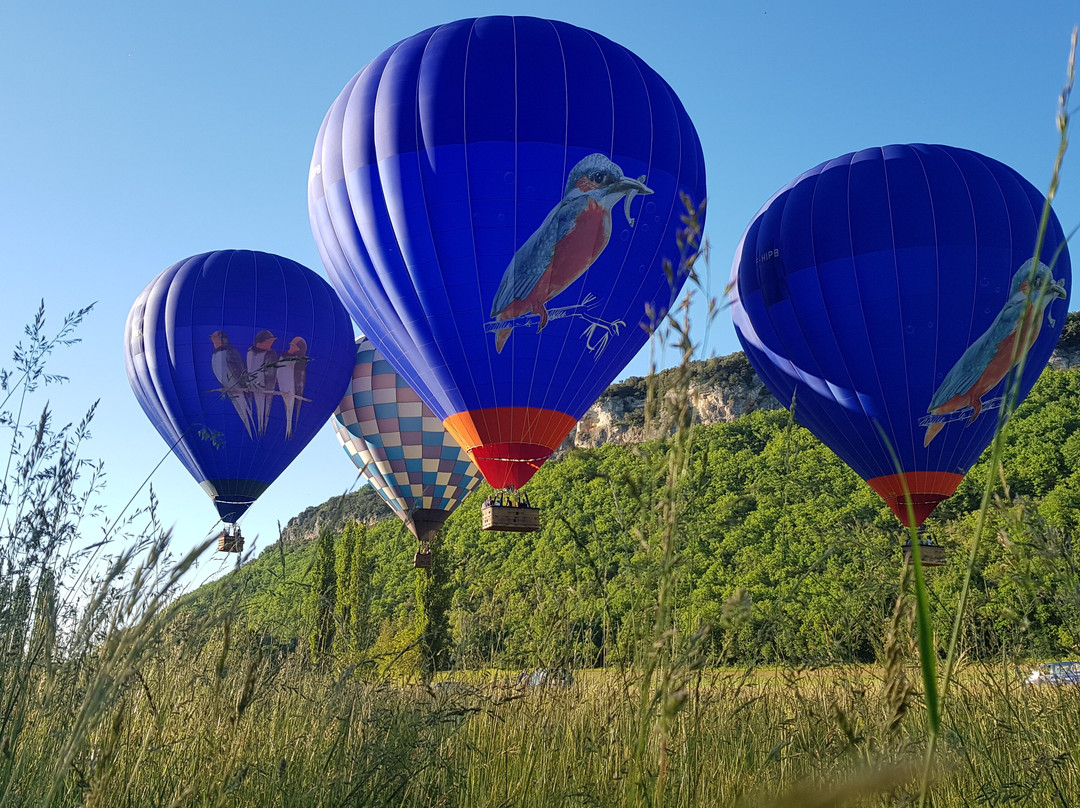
x,y
191,726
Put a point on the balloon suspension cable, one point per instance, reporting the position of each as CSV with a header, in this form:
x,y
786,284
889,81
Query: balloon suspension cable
x,y
509,497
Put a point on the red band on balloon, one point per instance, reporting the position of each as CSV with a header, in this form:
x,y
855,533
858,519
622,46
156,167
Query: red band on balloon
x,y
509,444
925,488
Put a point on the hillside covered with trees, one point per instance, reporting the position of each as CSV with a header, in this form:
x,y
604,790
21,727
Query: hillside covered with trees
x,y
783,556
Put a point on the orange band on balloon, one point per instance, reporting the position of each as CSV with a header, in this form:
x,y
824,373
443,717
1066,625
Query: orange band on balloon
x,y
537,425
508,444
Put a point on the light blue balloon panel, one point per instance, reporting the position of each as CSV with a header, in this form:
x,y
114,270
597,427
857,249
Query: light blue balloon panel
x,y
401,446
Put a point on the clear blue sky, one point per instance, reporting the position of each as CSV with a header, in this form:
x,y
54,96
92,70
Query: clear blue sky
x,y
133,135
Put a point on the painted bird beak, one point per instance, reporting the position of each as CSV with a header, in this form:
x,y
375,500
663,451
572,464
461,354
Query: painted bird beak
x,y
1058,288
627,185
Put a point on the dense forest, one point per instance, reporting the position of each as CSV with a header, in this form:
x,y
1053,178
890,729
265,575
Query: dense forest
x,y
781,555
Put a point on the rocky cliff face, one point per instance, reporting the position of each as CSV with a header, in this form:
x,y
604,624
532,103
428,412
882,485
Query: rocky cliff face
x,y
1065,357
721,390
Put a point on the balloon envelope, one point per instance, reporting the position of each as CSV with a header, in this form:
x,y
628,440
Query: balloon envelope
x,y
238,358
495,200
881,294
401,446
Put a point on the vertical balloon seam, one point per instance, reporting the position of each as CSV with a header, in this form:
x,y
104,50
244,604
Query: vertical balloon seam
x,y
857,447
888,427
256,461
397,333
167,325
136,364
570,400
498,406
164,283
402,292
145,392
534,417
393,333
234,258
959,456
937,452
460,406
422,145
431,344
290,280
559,403
247,466
807,414
1011,376
906,386
885,432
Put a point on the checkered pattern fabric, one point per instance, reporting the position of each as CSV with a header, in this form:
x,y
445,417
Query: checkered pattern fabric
x,y
398,443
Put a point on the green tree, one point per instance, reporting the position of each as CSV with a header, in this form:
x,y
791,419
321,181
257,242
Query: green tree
x,y
432,605
344,599
322,597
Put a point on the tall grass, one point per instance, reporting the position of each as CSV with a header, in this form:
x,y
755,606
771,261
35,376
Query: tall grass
x,y
111,695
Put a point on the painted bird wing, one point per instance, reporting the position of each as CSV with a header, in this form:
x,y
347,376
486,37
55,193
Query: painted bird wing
x,y
974,361
534,256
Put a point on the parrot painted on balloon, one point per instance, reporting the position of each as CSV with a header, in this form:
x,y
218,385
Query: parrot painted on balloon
x,y
566,244
986,362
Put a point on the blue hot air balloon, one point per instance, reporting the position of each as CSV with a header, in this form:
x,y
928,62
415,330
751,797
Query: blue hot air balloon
x,y
890,294
495,200
238,358
401,447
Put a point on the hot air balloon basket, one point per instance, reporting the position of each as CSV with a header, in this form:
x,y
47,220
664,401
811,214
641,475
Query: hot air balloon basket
x,y
422,559
931,555
230,541
514,519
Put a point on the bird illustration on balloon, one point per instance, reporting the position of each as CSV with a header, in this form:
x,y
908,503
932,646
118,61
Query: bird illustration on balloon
x,y
558,252
252,386
987,360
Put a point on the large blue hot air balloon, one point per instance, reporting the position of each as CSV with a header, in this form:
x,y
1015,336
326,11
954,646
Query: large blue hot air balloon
x,y
889,294
495,200
238,358
400,446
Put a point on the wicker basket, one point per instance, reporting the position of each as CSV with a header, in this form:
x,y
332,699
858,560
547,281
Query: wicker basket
x,y
511,518
931,555
230,542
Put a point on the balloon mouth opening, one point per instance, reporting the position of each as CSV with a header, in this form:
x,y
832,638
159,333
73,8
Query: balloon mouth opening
x,y
509,465
230,509
424,523
914,495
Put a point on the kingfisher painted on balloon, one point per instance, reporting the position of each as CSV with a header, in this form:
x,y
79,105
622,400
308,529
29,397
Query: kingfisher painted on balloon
x,y
893,291
251,387
569,240
986,362
458,192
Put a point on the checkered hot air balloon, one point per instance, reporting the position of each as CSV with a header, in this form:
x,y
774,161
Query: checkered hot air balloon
x,y
401,446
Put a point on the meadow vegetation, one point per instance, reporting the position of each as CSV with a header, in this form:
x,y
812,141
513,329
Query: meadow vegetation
x,y
731,599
